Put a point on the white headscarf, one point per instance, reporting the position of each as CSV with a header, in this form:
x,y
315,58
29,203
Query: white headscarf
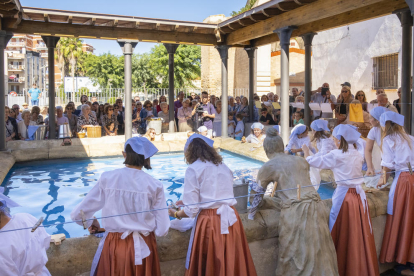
x,y
348,132
208,141
319,125
7,203
393,117
257,125
141,145
376,112
297,130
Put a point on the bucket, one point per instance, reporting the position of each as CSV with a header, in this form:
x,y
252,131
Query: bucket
x,y
64,131
94,131
40,133
241,188
155,123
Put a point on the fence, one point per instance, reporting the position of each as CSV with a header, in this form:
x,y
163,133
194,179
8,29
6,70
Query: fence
x,y
109,95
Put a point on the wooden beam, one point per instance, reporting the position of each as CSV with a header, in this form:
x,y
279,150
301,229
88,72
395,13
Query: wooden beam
x,y
315,11
46,17
70,19
38,27
93,22
358,15
157,26
115,23
176,27
137,24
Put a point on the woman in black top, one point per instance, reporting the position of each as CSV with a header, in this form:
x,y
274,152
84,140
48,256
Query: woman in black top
x,y
266,118
397,102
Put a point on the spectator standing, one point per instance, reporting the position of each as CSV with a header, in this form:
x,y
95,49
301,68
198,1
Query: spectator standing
x,y
146,114
72,118
208,113
342,107
232,108
217,120
163,99
136,98
16,109
36,116
360,96
83,100
397,102
34,95
239,131
45,112
108,119
383,101
266,119
238,101
11,125
101,113
378,92
164,114
25,106
86,119
23,125
154,107
136,119
243,109
120,116
177,104
213,100
231,126
184,116
317,97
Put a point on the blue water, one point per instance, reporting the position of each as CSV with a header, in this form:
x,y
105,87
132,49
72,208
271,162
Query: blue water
x,y
52,188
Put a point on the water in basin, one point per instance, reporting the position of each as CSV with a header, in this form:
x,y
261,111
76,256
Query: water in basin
x,y
52,188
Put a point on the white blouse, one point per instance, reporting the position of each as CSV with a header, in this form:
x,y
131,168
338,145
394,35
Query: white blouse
x,y
375,135
253,139
396,153
345,166
297,143
217,117
325,145
23,252
22,128
206,182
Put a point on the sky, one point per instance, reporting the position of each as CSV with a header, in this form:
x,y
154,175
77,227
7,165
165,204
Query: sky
x,y
188,10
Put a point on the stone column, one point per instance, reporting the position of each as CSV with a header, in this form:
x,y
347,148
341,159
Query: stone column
x,y
51,42
410,4
251,53
307,38
4,39
284,34
128,47
224,55
171,49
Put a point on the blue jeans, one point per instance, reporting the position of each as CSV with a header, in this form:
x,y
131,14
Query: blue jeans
x,y
35,102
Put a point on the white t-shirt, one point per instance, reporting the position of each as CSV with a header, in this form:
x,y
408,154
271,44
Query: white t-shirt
x,y
239,126
375,135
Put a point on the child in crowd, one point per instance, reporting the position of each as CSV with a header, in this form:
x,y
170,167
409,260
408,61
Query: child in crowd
x,y
257,136
298,138
111,128
231,126
266,118
239,127
298,118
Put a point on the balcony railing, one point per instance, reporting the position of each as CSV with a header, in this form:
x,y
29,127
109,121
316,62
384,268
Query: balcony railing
x,y
43,54
16,67
15,55
41,46
18,80
15,44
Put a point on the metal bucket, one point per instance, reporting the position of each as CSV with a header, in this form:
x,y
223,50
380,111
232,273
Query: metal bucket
x,y
241,188
64,131
40,133
155,123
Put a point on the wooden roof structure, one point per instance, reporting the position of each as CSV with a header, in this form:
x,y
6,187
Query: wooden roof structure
x,y
254,27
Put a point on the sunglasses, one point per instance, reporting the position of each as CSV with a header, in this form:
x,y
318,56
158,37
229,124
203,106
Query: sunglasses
x,y
139,104
344,91
110,109
360,95
69,108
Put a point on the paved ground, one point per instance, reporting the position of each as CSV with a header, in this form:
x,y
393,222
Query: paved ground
x,y
390,273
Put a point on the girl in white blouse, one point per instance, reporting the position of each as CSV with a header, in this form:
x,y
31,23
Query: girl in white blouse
x,y
218,244
374,135
398,154
298,138
349,219
257,136
323,139
128,246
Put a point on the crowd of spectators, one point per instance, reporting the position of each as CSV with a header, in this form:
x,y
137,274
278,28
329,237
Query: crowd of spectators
x,y
193,111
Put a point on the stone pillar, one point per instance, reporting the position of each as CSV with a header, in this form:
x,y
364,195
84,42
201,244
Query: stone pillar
x,y
4,39
410,4
307,38
51,42
224,55
127,49
171,49
284,34
251,53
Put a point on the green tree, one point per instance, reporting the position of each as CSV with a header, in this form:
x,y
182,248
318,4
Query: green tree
x,y
187,64
142,74
247,7
105,70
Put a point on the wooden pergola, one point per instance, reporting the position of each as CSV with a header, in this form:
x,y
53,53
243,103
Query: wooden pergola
x,y
276,20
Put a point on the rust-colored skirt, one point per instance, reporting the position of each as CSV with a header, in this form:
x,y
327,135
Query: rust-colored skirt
x,y
214,254
118,257
353,240
398,240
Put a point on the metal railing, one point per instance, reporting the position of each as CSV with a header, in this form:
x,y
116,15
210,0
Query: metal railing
x,y
109,95
15,67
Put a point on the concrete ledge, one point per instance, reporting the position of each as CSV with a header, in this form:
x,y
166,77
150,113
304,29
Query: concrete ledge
x,y
7,161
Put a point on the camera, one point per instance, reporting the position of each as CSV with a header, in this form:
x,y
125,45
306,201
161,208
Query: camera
x,y
199,109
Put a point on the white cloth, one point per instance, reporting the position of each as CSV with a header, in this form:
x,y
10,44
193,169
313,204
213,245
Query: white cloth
x,y
375,135
253,139
206,182
142,146
347,170
348,132
62,120
396,154
23,252
239,127
325,145
22,128
207,140
297,143
392,116
124,191
230,129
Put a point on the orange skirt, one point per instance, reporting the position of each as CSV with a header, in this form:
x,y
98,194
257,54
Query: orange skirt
x,y
353,240
398,240
118,257
216,254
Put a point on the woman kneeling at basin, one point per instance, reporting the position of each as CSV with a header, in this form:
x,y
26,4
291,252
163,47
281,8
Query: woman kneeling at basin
x,y
128,247
349,220
218,244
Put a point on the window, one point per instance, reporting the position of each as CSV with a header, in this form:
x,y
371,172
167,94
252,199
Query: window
x,y
386,72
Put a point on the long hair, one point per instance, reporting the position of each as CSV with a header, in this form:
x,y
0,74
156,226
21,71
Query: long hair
x,y
199,150
344,145
392,128
147,134
320,135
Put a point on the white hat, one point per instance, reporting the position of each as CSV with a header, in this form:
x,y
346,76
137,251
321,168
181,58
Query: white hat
x,y
208,141
297,130
319,125
202,129
348,132
7,203
141,145
376,112
393,117
257,125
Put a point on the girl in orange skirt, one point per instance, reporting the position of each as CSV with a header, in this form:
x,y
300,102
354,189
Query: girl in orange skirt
x,y
218,244
128,247
349,219
398,154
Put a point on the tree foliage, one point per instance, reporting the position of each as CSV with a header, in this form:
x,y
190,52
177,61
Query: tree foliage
x,y
249,5
106,70
69,56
